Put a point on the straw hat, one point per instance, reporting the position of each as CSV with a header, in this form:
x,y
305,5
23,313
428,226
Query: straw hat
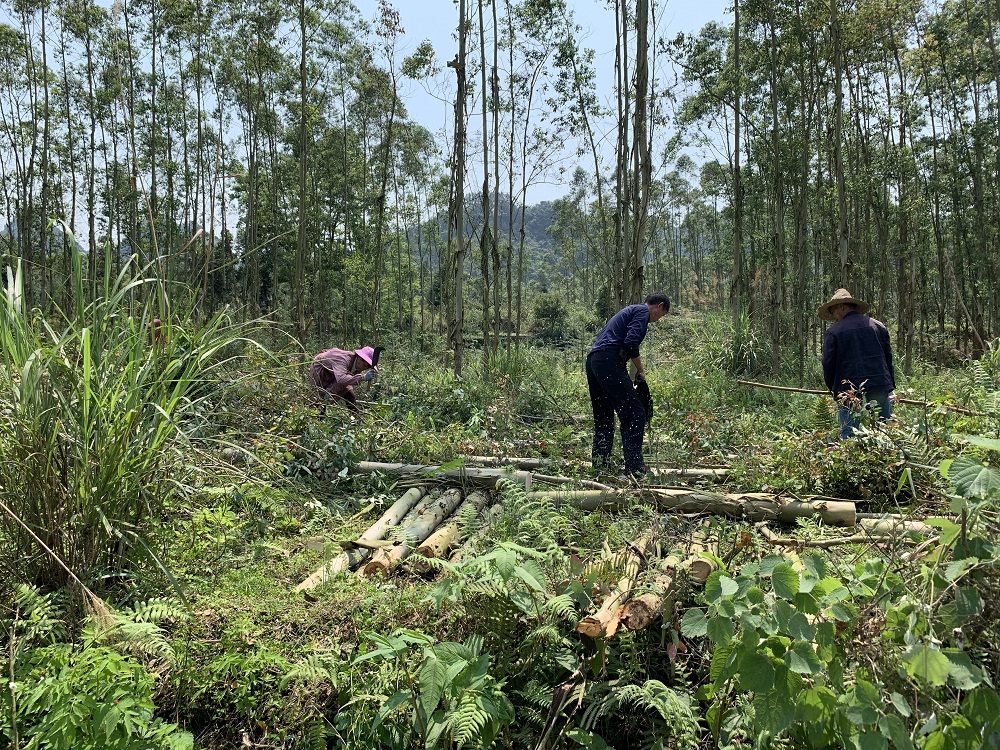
x,y
841,297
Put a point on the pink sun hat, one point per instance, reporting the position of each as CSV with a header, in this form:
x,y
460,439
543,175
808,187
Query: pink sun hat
x,y
367,354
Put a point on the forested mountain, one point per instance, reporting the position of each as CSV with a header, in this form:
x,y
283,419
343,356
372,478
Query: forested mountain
x,y
262,153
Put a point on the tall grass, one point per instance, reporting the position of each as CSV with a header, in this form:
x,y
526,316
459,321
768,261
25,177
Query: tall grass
x,y
91,411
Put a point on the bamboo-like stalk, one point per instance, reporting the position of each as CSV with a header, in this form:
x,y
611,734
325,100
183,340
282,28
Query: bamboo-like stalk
x,y
353,557
896,527
753,506
417,531
447,535
604,622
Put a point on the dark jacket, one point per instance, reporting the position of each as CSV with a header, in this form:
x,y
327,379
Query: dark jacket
x,y
624,332
857,354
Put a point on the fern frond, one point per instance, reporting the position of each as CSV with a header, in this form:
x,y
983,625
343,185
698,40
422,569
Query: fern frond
x,y
38,618
562,606
118,630
467,720
316,669
158,609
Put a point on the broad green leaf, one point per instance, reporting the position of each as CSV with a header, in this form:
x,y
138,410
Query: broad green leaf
x,y
713,587
588,740
982,708
927,665
902,705
815,564
505,560
722,663
971,478
721,630
991,444
968,603
728,585
530,577
843,611
397,699
775,709
694,624
785,580
756,673
872,741
433,680
799,627
962,673
816,704
802,658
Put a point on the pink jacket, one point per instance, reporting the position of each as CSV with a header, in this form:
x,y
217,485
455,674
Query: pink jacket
x,y
329,372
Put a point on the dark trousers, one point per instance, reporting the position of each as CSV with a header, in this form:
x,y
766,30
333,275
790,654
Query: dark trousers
x,y
611,391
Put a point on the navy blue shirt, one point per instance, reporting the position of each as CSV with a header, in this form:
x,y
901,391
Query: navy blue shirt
x,y
857,354
624,332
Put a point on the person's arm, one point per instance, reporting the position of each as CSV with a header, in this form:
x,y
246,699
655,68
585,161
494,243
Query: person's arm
x,y
640,371
635,333
829,359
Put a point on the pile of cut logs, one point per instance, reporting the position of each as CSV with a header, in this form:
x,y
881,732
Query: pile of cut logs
x,y
426,521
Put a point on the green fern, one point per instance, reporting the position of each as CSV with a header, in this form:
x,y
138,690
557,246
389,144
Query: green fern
x,y
316,669
136,631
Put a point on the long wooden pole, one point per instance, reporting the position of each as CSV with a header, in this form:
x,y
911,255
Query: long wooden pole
x,y
924,404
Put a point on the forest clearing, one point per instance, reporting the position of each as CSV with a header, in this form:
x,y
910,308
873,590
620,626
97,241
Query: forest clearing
x,y
291,577
515,388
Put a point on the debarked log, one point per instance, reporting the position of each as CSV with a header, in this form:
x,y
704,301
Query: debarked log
x,y
604,622
897,527
753,506
413,533
353,557
448,534
641,611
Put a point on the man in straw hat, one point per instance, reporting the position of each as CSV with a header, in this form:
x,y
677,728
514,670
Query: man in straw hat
x,y
334,373
857,360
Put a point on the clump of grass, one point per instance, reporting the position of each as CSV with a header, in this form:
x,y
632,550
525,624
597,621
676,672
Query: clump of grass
x,y
92,410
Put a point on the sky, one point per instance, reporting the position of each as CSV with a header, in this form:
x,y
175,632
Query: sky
x,y
434,20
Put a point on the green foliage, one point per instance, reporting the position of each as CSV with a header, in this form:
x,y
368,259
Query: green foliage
x,y
63,696
551,315
448,691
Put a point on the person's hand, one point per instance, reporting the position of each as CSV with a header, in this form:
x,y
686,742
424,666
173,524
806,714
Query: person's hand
x,y
370,375
893,398
640,376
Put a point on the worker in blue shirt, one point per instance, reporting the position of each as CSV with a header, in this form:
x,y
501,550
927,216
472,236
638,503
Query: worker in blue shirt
x,y
857,361
612,390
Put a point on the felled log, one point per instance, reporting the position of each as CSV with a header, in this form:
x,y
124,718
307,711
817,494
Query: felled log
x,y
447,535
479,476
604,622
752,506
528,464
668,473
414,533
350,558
641,611
897,527
701,560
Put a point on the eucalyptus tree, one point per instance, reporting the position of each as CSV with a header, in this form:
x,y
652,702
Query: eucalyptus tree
x,y
456,200
251,67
